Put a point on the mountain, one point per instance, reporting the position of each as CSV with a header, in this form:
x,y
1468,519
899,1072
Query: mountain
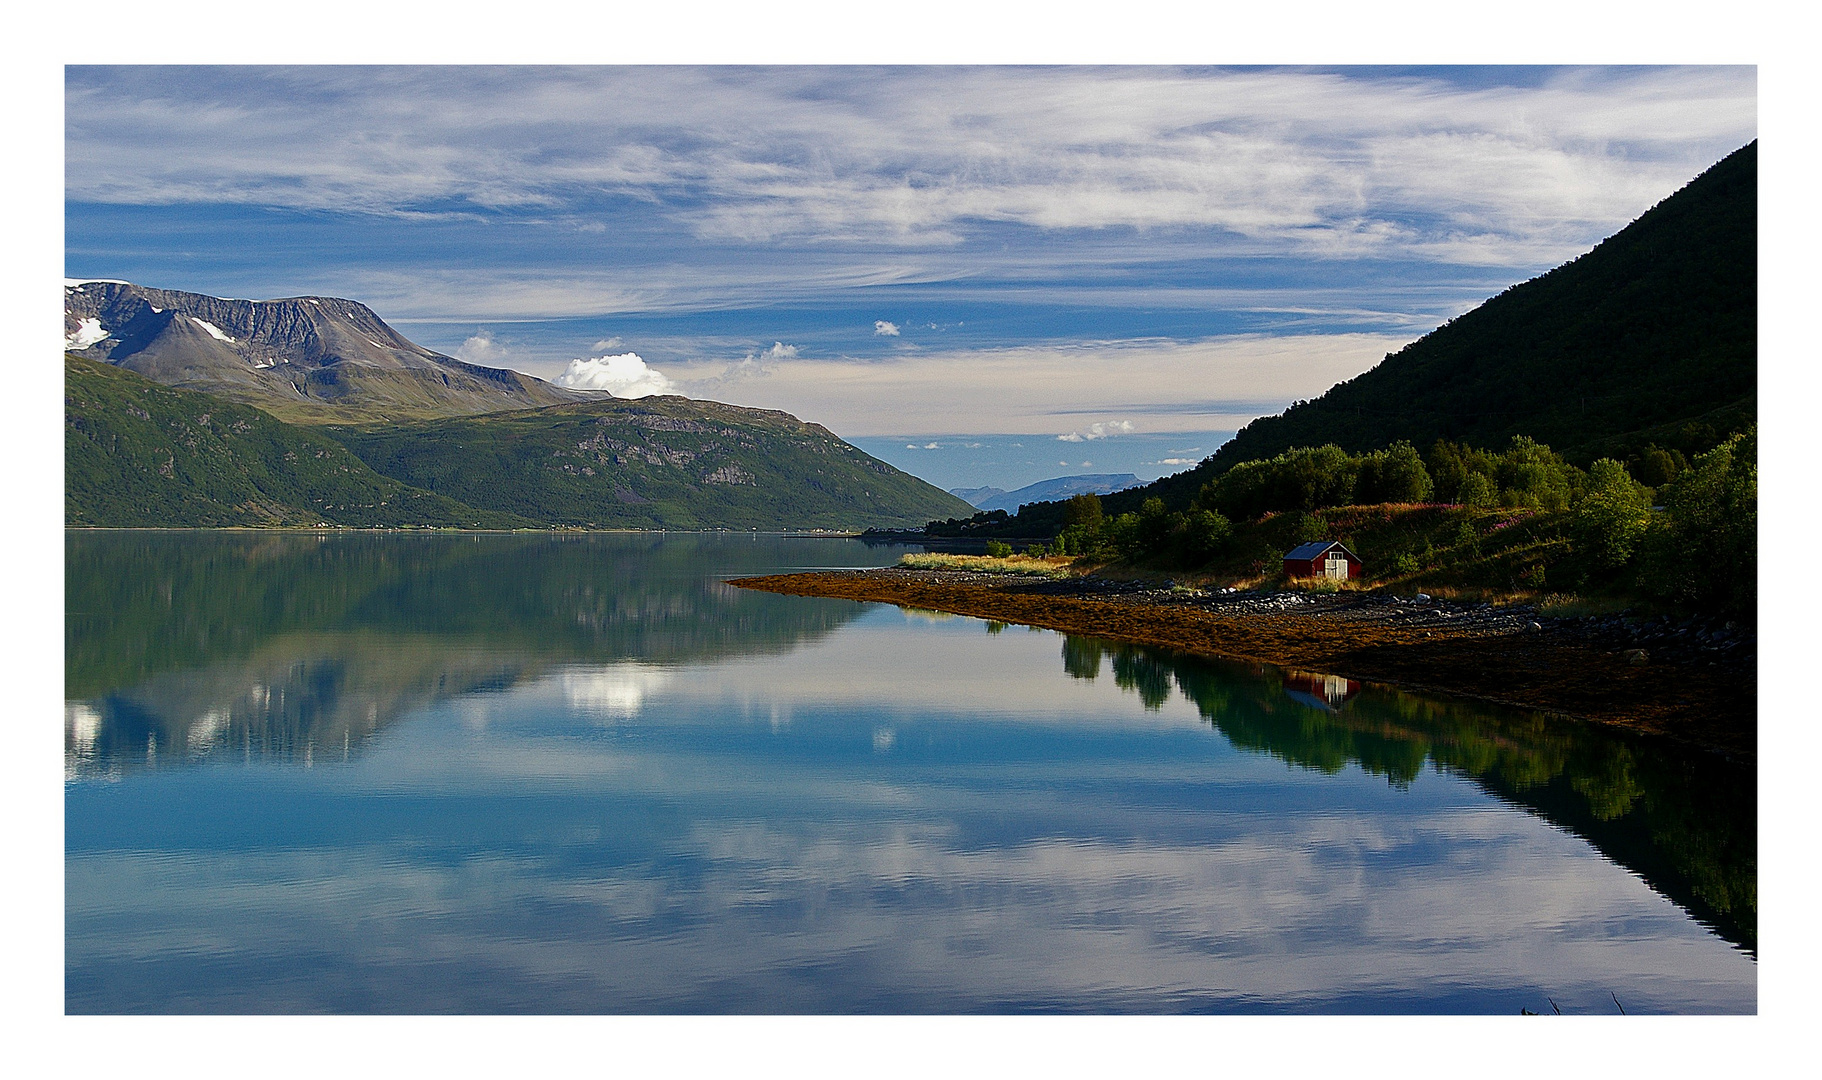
x,y
1652,337
140,454
976,496
1655,327
1061,487
306,359
651,463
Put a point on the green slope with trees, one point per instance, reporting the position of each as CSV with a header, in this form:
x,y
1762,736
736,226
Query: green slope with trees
x,y
652,463
139,454
1654,329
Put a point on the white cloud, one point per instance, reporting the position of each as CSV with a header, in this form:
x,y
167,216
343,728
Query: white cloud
x,y
625,375
613,691
1339,162
1100,431
885,329
751,366
606,344
1177,461
482,348
1215,384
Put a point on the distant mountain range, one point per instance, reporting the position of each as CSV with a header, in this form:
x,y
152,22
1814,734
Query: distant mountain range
x,y
1061,487
306,359
189,410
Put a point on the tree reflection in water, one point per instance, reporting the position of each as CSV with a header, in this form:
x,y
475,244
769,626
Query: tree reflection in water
x,y
1684,820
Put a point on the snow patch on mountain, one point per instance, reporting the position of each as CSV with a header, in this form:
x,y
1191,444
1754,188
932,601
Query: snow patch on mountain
x,y
88,332
214,331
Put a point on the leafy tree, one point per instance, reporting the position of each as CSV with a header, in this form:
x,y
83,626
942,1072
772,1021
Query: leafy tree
x,y
1657,467
1204,534
1477,491
1703,549
1393,475
1084,511
1611,518
1531,474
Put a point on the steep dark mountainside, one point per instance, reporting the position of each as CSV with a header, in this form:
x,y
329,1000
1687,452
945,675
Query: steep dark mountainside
x,y
656,462
1656,326
305,359
140,454
1650,338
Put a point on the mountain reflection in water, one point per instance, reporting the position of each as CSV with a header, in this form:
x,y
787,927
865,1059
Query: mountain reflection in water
x,y
1684,820
537,773
182,646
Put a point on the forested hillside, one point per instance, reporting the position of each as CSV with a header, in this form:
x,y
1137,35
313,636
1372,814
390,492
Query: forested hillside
x,y
652,463
140,454
1653,329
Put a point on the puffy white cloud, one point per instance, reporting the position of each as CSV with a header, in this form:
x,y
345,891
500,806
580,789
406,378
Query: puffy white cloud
x,y
1100,431
606,344
483,348
885,329
751,366
626,375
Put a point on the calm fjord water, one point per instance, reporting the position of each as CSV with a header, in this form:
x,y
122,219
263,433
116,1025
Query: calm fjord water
x,y
394,773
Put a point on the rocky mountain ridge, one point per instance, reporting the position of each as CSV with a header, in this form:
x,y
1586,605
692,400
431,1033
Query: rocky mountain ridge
x,y
309,359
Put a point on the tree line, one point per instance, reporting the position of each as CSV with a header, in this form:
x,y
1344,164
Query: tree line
x,y
1690,539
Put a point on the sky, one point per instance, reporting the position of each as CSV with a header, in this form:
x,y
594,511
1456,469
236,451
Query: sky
x,y
1125,260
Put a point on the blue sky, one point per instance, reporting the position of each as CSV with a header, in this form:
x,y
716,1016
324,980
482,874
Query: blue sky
x,y
930,252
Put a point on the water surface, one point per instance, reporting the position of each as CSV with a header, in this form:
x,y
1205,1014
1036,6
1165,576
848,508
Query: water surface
x,y
394,773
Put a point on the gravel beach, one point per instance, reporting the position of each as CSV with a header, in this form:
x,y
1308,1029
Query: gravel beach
x,y
1693,680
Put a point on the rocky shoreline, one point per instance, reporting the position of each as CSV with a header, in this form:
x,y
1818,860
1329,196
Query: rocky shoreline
x,y
1693,680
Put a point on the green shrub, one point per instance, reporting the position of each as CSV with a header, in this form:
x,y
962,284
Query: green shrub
x,y
1611,518
1703,549
1476,492
998,549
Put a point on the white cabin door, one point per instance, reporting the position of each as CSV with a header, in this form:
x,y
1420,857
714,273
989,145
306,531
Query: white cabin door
x,y
1336,566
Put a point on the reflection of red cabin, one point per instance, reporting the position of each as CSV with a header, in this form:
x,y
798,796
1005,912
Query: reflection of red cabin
x,y
1326,692
1322,558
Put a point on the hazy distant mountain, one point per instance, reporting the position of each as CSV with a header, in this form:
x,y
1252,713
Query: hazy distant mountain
x,y
307,359
1061,487
975,496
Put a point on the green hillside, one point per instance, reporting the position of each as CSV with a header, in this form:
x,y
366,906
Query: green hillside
x,y
655,463
140,454
1650,340
1654,328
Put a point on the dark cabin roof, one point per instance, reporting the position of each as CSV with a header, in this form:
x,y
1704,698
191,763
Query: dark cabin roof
x,y
1317,547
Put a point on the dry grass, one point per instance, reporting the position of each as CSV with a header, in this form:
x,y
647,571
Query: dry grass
x,y
1055,566
1571,606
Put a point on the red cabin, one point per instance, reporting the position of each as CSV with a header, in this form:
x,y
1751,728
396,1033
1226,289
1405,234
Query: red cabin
x,y
1322,558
